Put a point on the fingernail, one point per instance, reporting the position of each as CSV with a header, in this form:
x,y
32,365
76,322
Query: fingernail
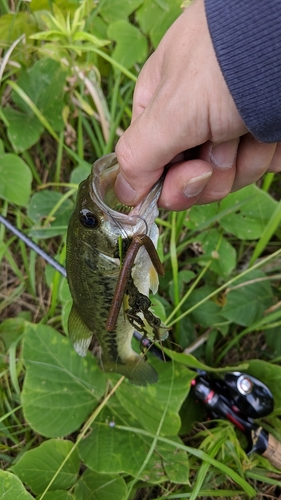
x,y
195,185
124,191
223,155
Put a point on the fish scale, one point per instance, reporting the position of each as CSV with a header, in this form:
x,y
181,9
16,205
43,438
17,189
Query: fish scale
x,y
93,267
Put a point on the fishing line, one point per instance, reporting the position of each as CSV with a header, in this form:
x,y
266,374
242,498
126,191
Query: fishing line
x,y
33,246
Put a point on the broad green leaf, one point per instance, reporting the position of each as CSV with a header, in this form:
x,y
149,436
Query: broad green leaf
x,y
87,37
193,363
273,340
41,205
184,277
11,487
272,225
60,388
44,84
57,495
15,180
37,467
147,404
111,450
199,215
217,248
79,174
11,330
12,26
248,299
68,5
24,130
113,10
209,313
250,220
175,464
155,18
131,44
269,374
94,486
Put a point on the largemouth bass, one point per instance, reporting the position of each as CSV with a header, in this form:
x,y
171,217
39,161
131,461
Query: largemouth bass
x,y
93,264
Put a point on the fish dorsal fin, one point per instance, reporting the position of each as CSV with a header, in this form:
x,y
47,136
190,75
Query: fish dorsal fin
x,y
79,334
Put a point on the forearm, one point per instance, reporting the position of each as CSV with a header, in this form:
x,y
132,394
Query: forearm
x,y
247,39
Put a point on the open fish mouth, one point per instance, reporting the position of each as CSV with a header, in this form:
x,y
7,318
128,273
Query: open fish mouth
x,y
135,219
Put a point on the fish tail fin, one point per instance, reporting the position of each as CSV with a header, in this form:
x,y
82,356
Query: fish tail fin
x,y
138,371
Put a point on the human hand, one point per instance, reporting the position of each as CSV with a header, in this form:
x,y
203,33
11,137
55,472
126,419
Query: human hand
x,y
184,117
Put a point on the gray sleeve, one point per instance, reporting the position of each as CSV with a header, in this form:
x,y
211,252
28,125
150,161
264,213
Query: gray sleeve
x,y
246,35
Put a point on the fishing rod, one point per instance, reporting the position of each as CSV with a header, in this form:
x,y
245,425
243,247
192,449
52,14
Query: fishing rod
x,y
237,397
33,246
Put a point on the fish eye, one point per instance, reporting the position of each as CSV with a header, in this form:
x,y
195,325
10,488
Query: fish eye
x,y
88,219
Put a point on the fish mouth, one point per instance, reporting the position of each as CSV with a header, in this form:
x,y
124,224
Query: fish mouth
x,y
136,218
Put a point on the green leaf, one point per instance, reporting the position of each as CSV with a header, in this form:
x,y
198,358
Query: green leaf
x,y
250,220
83,36
272,225
11,330
217,248
200,215
78,174
112,450
273,340
131,44
37,467
15,180
24,130
209,313
60,388
247,303
155,18
270,374
94,486
40,207
44,84
12,26
57,495
184,277
113,10
11,487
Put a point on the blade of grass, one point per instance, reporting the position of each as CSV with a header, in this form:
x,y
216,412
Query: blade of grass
x,y
59,157
268,179
82,433
197,453
155,439
258,325
204,494
43,120
175,270
227,284
212,452
13,367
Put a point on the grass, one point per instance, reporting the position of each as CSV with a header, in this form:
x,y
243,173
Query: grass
x,y
219,283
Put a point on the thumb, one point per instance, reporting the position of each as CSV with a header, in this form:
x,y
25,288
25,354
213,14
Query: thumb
x,y
141,161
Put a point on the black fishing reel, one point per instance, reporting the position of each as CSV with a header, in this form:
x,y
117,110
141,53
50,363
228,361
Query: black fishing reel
x,y
242,393
241,398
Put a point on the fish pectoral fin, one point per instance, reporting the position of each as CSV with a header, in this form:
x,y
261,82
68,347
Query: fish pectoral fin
x,y
79,334
153,280
137,370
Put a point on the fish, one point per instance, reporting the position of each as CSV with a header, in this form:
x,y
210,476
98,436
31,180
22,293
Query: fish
x,y
100,231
